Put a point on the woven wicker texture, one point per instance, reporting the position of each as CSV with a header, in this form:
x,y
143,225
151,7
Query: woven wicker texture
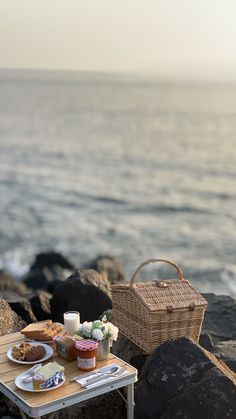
x,y
150,313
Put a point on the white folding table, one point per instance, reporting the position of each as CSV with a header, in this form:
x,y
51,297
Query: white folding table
x,y
38,404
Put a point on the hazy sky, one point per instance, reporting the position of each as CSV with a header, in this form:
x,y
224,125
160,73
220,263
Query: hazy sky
x,y
167,38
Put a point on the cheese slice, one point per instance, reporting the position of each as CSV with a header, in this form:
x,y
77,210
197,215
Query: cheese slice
x,y
50,369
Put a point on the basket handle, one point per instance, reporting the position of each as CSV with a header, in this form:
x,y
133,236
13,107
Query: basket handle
x,y
179,272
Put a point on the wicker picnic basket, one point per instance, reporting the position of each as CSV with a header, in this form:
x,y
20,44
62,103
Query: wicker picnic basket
x,y
149,313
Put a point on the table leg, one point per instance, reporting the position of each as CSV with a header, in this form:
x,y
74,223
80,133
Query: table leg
x,y
130,401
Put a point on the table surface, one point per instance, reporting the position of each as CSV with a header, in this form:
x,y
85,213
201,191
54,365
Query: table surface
x,y
33,403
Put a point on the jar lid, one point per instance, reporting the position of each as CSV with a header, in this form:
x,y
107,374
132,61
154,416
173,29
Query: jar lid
x,y
38,377
86,345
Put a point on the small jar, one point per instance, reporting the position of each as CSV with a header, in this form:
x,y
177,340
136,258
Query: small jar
x,y
86,354
38,379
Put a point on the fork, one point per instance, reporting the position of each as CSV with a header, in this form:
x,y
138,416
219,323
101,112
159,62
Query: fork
x,y
105,375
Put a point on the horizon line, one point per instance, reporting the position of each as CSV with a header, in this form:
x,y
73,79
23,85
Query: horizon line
x,y
131,74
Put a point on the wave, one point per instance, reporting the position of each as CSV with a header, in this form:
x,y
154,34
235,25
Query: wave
x,y
170,209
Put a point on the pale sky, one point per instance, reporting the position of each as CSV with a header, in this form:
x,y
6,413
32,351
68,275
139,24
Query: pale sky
x,y
165,38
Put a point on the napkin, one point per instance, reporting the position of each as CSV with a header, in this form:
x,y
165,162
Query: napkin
x,y
54,380
103,380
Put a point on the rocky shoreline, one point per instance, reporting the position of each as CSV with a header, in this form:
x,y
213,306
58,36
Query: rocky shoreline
x,y
179,380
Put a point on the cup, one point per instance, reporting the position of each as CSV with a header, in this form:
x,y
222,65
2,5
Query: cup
x,y
71,322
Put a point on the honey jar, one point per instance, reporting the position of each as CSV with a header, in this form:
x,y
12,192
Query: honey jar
x,y
38,379
86,354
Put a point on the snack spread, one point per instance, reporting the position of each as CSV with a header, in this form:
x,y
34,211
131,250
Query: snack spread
x,y
35,353
66,348
86,354
48,376
44,331
28,353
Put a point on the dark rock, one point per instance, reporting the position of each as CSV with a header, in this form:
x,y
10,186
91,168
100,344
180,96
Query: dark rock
x,y
46,269
206,342
91,277
220,317
37,279
9,321
214,396
107,406
50,259
40,303
52,285
45,278
34,307
21,306
79,293
138,362
125,349
8,283
182,380
109,267
227,352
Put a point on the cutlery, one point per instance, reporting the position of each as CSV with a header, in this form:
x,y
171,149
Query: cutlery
x,y
102,376
111,370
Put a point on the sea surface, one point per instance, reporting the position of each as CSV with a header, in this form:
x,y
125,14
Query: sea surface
x,y
127,166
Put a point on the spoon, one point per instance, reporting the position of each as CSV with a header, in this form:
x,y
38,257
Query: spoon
x,y
91,380
112,370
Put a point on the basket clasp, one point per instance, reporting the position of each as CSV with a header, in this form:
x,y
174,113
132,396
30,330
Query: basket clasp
x,y
162,284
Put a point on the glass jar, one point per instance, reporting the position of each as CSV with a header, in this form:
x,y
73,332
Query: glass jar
x,y
86,354
38,379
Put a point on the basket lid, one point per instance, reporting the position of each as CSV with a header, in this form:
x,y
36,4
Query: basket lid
x,y
162,295
172,294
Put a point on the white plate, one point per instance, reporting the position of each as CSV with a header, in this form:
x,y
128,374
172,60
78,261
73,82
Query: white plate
x,y
29,386
48,354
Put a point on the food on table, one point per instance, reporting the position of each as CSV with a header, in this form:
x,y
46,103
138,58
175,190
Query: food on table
x,y
48,376
37,380
86,354
27,352
35,353
19,352
44,331
66,348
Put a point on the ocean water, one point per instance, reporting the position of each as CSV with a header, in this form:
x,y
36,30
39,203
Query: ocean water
x,y
132,168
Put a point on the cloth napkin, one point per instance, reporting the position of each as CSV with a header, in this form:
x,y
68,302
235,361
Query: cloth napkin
x,y
54,380
103,380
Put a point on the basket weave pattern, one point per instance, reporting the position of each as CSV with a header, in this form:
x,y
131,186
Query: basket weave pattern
x,y
149,313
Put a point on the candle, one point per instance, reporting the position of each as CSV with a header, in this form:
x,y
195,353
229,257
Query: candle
x,y
71,322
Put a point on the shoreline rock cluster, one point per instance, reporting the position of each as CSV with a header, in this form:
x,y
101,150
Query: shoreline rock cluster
x,y
178,380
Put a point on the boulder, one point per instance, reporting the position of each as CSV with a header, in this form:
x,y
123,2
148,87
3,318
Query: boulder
x,y
227,352
10,322
125,349
8,283
48,268
182,380
206,341
40,304
21,306
50,259
79,293
45,278
108,406
92,277
109,267
220,317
